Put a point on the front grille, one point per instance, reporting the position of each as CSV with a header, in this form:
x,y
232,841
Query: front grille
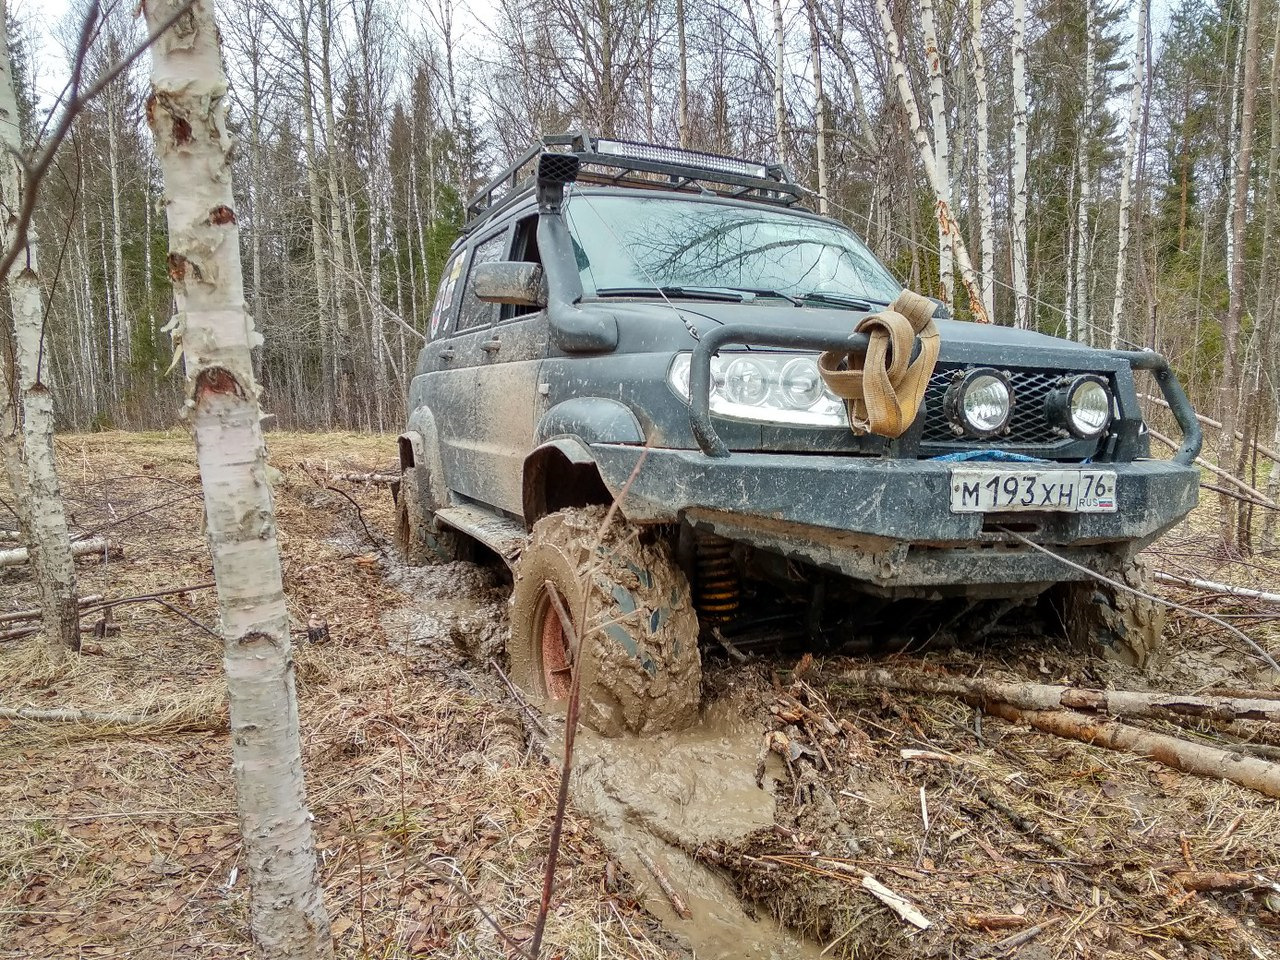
x,y
1028,428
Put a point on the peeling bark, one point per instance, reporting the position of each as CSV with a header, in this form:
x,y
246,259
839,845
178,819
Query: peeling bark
x,y
214,333
27,412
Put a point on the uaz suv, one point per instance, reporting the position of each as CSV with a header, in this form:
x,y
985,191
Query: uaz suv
x,y
633,325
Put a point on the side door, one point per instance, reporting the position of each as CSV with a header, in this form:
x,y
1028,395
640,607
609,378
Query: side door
x,y
451,387
507,388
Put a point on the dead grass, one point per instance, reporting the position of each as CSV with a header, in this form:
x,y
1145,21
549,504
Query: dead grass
x,y
122,841
1000,829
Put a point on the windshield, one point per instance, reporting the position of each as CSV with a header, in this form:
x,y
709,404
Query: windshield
x,y
647,243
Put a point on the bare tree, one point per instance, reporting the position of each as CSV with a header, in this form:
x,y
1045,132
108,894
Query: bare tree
x,y
187,113
941,145
26,402
986,212
1229,393
1139,82
946,221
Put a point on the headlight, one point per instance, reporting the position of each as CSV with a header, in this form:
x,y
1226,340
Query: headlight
x,y
979,403
769,387
1081,406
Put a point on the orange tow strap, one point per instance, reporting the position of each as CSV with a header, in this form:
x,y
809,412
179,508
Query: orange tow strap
x,y
883,388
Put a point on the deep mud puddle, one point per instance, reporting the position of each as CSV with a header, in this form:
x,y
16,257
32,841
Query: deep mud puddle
x,y
646,795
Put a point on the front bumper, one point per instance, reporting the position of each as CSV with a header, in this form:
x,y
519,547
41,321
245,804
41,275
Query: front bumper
x,y
888,521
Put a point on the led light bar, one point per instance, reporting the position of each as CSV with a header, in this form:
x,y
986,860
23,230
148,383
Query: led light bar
x,y
676,155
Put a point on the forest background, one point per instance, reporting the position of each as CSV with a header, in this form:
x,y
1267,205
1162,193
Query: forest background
x,y
363,125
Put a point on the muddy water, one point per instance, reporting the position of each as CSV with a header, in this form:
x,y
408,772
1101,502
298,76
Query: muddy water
x,y
695,786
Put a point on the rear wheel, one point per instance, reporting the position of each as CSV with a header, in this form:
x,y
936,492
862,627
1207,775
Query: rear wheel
x,y
630,605
1116,624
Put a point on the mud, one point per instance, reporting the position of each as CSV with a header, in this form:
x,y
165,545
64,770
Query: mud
x,y
660,794
665,794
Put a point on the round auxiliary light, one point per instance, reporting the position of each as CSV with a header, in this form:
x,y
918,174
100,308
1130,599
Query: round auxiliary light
x,y
746,381
1081,406
800,384
979,403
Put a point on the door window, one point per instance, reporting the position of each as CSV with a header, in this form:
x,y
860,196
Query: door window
x,y
525,251
474,312
445,294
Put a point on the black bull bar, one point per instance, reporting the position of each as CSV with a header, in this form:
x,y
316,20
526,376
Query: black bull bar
x,y
798,339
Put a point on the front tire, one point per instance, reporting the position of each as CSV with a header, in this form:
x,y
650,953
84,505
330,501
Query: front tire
x,y
629,603
1114,623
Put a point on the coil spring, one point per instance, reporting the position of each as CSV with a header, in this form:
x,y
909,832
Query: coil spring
x,y
718,590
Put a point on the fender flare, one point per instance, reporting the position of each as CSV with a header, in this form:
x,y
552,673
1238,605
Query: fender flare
x,y
419,447
590,420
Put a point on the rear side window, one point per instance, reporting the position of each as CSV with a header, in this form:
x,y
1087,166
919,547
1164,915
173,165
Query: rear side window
x,y
445,294
475,312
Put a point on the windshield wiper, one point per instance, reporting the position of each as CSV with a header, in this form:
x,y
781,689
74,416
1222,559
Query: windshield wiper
x,y
840,300
686,293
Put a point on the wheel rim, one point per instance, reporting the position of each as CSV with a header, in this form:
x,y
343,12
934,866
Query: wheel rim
x,y
557,665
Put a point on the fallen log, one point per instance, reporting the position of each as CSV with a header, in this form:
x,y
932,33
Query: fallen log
x,y
68,715
1194,758
1210,586
17,616
1040,696
379,479
18,556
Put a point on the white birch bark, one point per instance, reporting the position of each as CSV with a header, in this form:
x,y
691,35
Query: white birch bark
x,y
115,109
779,74
1083,247
1018,220
941,145
1229,390
1264,287
187,115
820,99
986,211
26,407
1139,82
925,151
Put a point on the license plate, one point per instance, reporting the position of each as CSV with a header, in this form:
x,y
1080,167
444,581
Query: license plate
x,y
1001,489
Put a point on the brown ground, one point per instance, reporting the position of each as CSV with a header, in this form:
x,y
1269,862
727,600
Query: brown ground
x,y
428,798
123,843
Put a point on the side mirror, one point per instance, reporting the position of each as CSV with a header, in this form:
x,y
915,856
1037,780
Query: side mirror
x,y
522,284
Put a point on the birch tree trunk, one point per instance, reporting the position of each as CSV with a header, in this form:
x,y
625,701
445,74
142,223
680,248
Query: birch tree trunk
x,y
1230,388
815,40
986,212
1083,247
941,146
926,154
1273,170
1126,174
187,115
26,408
779,68
319,252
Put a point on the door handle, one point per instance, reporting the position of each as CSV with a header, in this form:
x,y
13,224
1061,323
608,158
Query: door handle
x,y
491,346
446,353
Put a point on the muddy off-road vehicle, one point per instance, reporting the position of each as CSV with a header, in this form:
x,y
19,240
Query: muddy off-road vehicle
x,y
796,446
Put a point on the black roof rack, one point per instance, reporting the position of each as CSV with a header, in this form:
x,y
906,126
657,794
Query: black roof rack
x,y
627,163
